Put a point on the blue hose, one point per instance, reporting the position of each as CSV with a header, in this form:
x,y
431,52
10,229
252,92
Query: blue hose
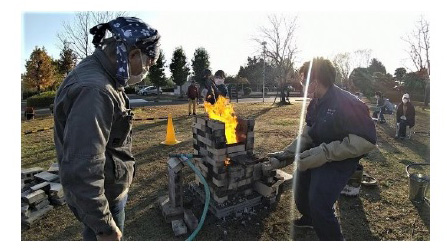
x,y
186,157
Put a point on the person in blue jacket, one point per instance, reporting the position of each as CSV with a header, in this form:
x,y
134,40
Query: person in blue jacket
x,y
338,132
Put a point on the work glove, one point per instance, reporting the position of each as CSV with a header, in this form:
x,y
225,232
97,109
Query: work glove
x,y
403,117
286,157
352,146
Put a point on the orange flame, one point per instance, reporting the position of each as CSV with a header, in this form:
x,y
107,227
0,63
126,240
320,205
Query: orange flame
x,y
227,161
223,111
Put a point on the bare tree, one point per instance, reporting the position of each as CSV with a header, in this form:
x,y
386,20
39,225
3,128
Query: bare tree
x,y
77,34
361,58
281,47
342,63
419,44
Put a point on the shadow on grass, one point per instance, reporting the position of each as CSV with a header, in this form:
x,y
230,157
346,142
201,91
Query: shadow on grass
x,y
424,212
353,221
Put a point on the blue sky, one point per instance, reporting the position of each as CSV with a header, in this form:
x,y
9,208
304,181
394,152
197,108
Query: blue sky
x,y
228,35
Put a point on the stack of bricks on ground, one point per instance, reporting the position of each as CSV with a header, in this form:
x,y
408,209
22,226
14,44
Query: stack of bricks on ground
x,y
40,191
236,179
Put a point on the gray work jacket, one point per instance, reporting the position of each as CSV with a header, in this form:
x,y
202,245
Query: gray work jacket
x,y
92,134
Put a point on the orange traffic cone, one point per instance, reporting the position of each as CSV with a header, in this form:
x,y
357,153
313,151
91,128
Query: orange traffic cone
x,y
170,133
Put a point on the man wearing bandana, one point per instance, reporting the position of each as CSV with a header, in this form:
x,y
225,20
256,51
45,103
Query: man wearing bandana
x,y
93,125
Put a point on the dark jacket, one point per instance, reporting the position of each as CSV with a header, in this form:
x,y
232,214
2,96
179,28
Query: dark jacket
x,y
336,115
92,134
410,114
193,93
213,92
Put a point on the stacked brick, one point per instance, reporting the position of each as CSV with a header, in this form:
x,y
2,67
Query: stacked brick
x,y
39,189
229,180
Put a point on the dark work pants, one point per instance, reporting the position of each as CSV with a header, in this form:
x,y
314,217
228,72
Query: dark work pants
x,y
118,215
403,128
316,191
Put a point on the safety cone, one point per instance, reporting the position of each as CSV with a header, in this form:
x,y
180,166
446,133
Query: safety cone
x,y
170,133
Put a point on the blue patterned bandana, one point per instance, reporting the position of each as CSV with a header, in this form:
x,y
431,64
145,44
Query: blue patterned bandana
x,y
129,32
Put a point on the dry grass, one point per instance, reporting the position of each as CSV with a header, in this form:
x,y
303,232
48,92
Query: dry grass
x,y
380,213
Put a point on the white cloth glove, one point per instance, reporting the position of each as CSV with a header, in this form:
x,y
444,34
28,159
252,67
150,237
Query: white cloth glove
x,y
403,117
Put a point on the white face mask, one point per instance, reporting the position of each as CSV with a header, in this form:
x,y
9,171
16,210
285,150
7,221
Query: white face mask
x,y
405,101
218,81
134,79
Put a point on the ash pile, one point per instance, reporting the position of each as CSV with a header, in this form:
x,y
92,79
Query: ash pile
x,y
40,192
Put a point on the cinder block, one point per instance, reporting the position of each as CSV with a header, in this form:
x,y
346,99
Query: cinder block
x,y
218,133
45,186
257,171
200,121
56,190
40,205
218,158
46,177
218,152
54,168
199,126
37,215
216,125
179,227
236,148
219,200
35,196
28,174
220,183
250,134
175,187
248,191
203,168
190,219
25,209
263,189
215,163
237,153
203,151
175,164
169,212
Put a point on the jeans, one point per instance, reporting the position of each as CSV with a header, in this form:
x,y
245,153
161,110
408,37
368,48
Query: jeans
x,y
380,113
118,215
316,191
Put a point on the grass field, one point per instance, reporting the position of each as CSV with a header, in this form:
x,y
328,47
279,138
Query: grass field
x,y
383,212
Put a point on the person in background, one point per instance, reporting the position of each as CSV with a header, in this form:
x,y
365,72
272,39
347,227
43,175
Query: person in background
x,y
380,107
93,125
193,95
210,91
219,78
405,116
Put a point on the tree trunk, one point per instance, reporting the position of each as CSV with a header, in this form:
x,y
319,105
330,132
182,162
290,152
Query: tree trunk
x,y
283,96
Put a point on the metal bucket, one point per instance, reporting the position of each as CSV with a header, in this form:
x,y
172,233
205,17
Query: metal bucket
x,y
418,184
